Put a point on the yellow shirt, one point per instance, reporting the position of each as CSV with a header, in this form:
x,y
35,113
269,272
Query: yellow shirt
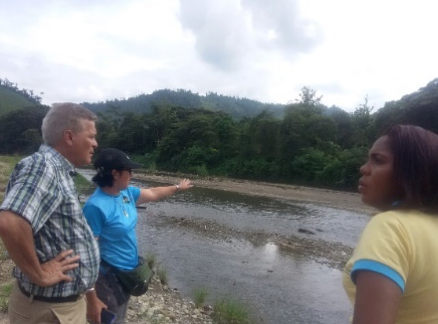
x,y
402,245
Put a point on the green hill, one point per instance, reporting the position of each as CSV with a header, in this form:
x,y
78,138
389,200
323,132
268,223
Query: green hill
x,y
11,100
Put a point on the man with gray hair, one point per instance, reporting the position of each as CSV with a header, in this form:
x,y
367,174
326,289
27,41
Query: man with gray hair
x,y
42,226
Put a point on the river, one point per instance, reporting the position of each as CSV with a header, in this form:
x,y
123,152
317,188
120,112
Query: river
x,y
279,287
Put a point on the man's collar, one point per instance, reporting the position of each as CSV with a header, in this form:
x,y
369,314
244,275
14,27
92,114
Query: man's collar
x,y
63,162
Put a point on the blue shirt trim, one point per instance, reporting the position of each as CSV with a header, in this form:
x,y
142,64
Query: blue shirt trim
x,y
380,268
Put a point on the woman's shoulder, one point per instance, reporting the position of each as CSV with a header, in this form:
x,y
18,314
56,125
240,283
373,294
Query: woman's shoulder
x,y
404,218
98,197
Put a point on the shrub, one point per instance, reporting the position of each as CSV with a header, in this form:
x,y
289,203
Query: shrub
x,y
201,170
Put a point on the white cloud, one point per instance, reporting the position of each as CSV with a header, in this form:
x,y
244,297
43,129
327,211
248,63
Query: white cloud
x,y
97,50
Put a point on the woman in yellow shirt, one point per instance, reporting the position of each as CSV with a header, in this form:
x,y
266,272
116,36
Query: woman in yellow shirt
x,y
392,276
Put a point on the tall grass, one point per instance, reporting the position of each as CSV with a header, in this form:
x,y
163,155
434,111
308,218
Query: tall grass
x,y
162,275
199,296
230,311
151,259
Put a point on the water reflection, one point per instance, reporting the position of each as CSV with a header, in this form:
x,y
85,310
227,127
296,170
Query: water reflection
x,y
269,253
280,288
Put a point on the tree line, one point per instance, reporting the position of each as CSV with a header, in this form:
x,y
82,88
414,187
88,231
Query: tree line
x,y
310,145
236,107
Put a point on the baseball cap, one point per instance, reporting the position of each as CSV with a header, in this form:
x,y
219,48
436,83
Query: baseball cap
x,y
114,159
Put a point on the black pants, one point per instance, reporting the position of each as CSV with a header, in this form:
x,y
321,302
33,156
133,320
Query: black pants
x,y
112,294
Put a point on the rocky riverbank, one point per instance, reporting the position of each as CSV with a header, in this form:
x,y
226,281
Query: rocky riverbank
x,y
162,304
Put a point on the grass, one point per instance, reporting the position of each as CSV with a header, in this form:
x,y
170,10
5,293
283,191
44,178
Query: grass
x,y
11,100
151,259
230,311
82,184
199,295
7,164
3,252
162,275
5,292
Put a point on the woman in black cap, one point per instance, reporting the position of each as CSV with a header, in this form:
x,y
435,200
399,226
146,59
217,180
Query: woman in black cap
x,y
112,215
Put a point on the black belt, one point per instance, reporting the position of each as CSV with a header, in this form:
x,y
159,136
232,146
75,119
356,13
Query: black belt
x,y
67,299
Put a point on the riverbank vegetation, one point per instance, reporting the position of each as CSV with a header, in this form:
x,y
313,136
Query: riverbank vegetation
x,y
230,311
199,295
7,164
303,143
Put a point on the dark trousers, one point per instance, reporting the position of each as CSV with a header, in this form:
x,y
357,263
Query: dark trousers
x,y
112,294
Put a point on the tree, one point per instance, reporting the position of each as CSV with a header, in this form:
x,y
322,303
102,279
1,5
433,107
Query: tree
x,y
264,129
419,108
132,135
228,133
309,98
344,126
21,130
364,130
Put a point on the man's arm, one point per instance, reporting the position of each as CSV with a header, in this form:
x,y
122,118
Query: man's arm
x,y
17,236
94,307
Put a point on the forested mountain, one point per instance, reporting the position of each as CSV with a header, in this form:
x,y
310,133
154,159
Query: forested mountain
x,y
308,143
235,107
418,108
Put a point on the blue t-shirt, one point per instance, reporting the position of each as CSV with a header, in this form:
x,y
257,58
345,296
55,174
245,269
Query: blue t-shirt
x,y
113,219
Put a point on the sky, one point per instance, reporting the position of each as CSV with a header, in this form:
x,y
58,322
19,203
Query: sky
x,y
266,50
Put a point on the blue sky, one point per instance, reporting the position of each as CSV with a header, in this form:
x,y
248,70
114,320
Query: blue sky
x,y
94,50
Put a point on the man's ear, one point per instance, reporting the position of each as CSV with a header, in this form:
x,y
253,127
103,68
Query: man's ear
x,y
68,137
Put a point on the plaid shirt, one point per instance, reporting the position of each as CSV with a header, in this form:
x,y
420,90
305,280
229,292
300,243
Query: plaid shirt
x,y
41,190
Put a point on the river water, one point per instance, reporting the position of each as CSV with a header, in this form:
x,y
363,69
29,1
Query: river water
x,y
278,287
